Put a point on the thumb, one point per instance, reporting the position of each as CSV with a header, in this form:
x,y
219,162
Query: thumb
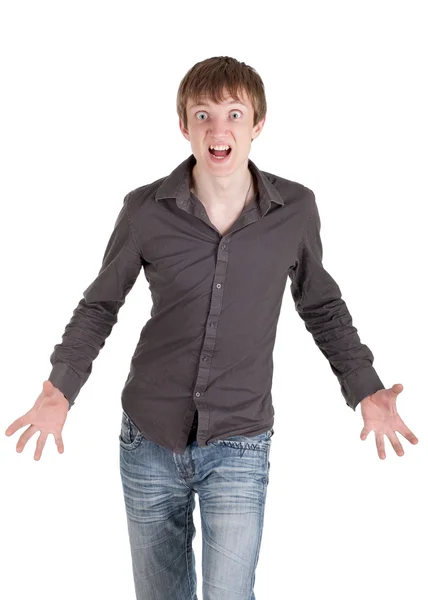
x,y
397,388
47,390
365,432
48,387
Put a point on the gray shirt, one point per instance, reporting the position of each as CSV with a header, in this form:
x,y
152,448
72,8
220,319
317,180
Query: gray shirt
x,y
207,349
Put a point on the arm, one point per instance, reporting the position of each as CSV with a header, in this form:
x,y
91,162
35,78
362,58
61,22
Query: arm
x,y
318,301
97,312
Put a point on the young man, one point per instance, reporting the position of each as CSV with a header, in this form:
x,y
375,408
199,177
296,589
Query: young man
x,y
217,239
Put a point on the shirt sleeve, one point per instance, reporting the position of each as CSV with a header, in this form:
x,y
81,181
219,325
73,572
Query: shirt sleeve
x,y
318,301
96,313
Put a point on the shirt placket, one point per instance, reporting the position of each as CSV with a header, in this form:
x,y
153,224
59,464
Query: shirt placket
x,y
214,314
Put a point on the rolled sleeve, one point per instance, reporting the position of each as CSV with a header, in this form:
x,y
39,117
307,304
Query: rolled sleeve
x,y
318,301
97,312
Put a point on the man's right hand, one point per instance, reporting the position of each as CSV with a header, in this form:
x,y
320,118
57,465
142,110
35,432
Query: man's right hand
x,y
48,415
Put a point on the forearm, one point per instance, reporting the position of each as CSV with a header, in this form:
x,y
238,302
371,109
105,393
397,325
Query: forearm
x,y
97,311
318,301
351,361
82,340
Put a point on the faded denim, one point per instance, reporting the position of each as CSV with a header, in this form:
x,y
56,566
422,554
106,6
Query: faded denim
x,y
230,477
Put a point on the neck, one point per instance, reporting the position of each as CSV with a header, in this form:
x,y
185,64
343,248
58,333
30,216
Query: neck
x,y
234,195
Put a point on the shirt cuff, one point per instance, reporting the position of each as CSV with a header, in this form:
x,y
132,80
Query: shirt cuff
x,y
66,380
359,384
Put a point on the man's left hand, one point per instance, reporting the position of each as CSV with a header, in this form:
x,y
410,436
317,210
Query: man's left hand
x,y
379,412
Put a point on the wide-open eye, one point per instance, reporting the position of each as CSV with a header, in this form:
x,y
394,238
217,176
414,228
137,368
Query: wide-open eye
x,y
202,112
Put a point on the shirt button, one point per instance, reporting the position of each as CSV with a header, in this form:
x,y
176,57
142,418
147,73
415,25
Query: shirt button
x,y
219,285
205,358
197,394
223,246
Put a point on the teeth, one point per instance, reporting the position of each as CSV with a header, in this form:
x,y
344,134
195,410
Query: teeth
x,y
219,147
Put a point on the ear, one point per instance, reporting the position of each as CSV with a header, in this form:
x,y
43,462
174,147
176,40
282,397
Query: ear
x,y
258,128
183,130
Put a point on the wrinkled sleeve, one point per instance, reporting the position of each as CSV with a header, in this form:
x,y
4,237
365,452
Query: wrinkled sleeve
x,y
96,313
318,301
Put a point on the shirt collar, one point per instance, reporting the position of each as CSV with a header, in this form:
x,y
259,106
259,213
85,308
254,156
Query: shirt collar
x,y
177,185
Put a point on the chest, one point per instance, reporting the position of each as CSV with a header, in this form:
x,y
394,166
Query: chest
x,y
185,257
223,220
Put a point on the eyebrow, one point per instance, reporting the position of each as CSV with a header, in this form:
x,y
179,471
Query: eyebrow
x,y
230,102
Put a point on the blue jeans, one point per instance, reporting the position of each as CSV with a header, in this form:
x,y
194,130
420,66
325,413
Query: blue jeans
x,y
230,477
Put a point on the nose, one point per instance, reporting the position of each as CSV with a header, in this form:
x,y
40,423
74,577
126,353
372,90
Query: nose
x,y
219,128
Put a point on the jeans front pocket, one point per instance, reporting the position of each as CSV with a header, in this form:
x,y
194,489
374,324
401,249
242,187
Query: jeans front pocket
x,y
262,441
130,436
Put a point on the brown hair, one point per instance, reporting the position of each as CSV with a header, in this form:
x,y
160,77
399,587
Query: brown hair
x,y
211,76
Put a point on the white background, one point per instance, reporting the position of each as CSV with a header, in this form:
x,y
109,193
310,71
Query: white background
x,y
88,113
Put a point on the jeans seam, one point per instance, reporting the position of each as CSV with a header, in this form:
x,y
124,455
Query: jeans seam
x,y
187,547
260,537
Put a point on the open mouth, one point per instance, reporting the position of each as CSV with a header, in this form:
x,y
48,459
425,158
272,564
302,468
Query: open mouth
x,y
220,154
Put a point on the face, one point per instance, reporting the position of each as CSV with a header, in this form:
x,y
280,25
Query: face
x,y
229,123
